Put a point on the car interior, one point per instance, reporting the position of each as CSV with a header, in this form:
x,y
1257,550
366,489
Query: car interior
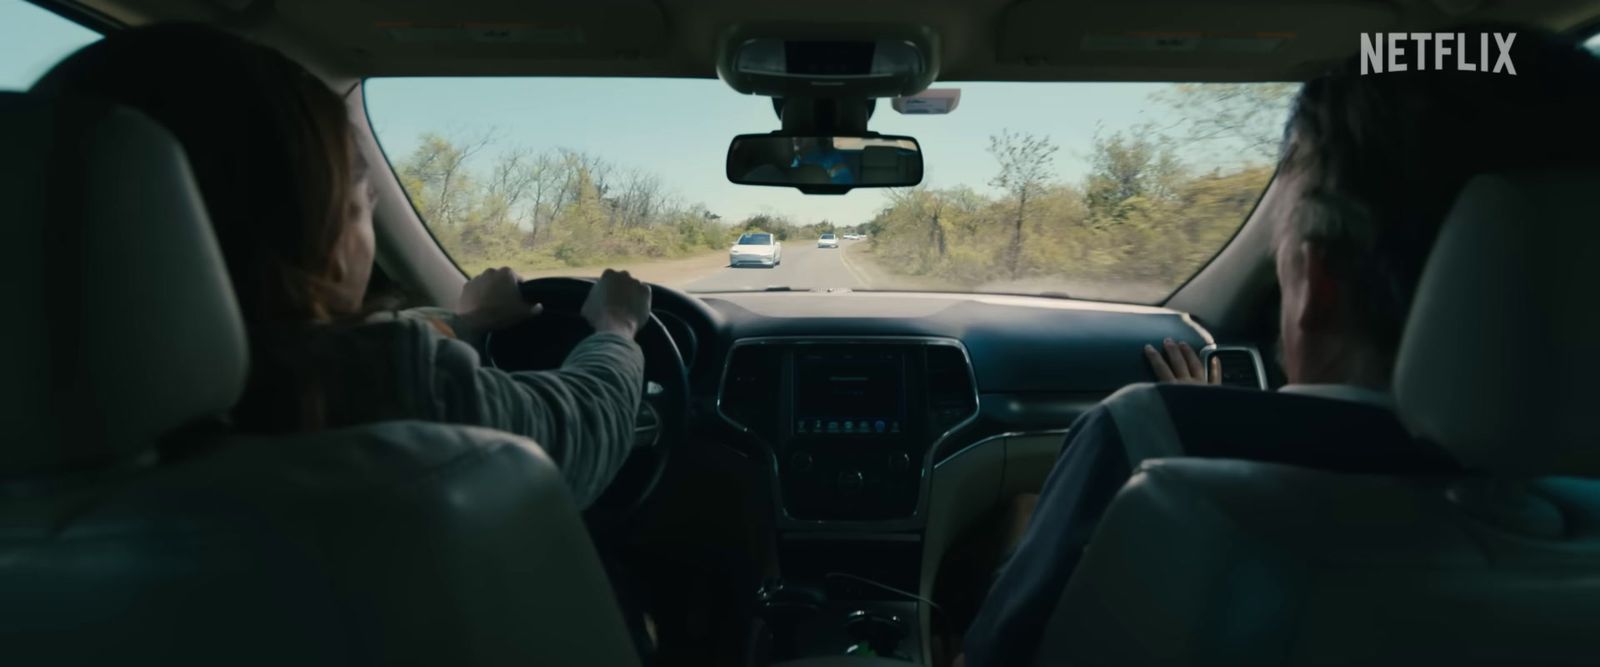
x,y
774,515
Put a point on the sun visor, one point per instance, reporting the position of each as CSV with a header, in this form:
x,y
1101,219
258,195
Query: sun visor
x,y
409,37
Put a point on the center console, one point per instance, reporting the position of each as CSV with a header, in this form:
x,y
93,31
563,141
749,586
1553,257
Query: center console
x,y
849,426
849,422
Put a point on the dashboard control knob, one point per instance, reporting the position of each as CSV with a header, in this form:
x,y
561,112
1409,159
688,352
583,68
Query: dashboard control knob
x,y
899,462
851,481
801,462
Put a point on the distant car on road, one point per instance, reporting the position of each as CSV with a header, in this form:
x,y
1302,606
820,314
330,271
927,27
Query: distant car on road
x,y
758,248
828,241
851,237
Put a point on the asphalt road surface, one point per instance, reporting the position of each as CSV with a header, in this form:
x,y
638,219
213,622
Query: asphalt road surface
x,y
804,267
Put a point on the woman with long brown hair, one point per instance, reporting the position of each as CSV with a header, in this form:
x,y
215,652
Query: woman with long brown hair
x,y
275,158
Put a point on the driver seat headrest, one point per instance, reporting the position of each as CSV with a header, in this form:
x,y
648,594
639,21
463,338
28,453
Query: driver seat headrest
x,y
129,328
1498,361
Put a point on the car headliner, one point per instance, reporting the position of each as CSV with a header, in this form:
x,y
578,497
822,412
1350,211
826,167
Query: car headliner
x,y
1001,40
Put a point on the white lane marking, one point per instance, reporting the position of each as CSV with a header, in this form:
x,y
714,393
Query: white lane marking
x,y
860,280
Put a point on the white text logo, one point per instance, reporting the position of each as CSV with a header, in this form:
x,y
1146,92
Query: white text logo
x,y
1417,51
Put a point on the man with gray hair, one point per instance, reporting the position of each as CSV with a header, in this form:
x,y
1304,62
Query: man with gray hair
x,y
1371,167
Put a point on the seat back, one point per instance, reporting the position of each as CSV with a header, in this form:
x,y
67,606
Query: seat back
x,y
1201,562
1218,562
134,529
399,543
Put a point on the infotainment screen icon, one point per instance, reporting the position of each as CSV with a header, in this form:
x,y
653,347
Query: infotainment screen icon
x,y
850,391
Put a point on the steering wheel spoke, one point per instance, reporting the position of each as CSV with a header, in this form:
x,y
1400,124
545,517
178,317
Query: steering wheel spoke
x,y
647,426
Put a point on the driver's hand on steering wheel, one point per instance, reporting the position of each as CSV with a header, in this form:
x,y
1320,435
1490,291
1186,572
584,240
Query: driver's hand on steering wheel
x,y
493,301
618,303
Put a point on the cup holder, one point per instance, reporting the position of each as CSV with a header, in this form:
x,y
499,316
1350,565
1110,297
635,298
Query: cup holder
x,y
875,633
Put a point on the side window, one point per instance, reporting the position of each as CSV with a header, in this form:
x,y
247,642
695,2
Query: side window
x,y
32,39
1593,44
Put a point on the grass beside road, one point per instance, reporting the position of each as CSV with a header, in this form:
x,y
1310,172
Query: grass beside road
x,y
858,256
877,274
671,272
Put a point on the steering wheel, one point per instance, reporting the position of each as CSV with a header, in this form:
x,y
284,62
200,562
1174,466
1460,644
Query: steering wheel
x,y
542,343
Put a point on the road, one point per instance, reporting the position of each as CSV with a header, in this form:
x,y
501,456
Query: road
x,y
807,267
804,267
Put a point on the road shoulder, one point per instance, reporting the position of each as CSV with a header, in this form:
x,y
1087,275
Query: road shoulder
x,y
674,272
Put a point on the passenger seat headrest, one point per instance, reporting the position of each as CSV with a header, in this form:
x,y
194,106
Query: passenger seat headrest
x,y
1500,361
123,323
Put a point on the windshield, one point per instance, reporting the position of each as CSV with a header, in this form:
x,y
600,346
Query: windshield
x,y
1113,191
755,239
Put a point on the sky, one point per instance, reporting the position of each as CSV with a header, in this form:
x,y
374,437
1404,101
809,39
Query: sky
x,y
31,40
679,129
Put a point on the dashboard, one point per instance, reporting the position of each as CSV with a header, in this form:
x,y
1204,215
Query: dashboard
x,y
851,399
856,436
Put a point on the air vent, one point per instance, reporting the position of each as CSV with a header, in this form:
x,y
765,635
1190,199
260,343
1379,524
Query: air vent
x,y
1241,367
950,388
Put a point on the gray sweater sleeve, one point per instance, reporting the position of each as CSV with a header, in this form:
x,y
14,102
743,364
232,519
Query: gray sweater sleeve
x,y
582,414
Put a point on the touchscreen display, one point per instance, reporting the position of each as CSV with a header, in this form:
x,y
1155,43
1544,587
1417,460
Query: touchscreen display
x,y
849,391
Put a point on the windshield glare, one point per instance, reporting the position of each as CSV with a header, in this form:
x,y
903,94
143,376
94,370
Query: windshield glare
x,y
1113,191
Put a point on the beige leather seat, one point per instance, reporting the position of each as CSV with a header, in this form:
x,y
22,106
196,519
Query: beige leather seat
x,y
135,530
1209,562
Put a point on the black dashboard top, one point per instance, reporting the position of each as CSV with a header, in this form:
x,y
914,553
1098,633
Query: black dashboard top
x,y
1017,344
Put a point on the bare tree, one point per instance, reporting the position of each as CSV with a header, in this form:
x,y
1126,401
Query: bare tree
x,y
438,168
1125,165
513,175
1247,116
542,172
579,169
927,205
1026,167
638,200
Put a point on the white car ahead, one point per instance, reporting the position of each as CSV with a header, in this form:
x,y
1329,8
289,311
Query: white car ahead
x,y
828,241
757,248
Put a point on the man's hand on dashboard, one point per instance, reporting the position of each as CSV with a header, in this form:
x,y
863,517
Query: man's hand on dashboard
x,y
1180,364
617,303
493,301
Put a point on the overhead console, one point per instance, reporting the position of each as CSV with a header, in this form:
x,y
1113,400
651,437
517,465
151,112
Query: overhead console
x,y
850,423
828,60
824,81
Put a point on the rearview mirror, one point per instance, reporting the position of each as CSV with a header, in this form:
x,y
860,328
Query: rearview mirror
x,y
825,165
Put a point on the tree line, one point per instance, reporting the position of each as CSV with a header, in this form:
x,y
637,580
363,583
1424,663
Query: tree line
x,y
549,209
1141,214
